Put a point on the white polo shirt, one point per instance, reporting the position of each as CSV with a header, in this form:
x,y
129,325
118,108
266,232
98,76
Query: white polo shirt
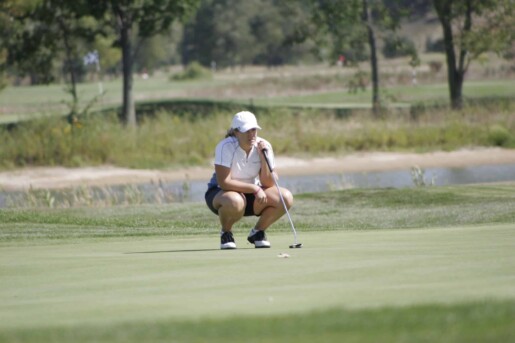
x,y
244,168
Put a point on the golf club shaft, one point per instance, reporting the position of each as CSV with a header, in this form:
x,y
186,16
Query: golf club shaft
x,y
265,153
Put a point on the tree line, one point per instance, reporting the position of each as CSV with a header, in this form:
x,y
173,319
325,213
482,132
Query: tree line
x,y
47,39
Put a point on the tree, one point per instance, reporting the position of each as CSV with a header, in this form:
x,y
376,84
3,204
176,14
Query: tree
x,y
19,42
471,28
221,32
355,22
236,33
43,32
138,19
159,51
274,30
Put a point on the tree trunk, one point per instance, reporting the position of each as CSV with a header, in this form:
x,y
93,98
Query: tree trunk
x,y
69,64
454,74
72,116
129,112
373,59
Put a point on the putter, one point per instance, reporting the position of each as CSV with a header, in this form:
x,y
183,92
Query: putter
x,y
295,245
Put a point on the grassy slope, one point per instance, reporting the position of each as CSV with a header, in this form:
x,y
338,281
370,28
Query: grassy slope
x,y
155,273
356,209
426,323
29,102
399,94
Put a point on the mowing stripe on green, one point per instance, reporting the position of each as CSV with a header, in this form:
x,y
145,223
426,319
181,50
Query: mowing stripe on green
x,y
111,282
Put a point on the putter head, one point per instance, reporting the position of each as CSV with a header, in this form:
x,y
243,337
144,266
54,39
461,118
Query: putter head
x,y
296,246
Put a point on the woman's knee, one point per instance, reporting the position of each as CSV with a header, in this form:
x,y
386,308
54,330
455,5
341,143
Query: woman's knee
x,y
288,197
232,201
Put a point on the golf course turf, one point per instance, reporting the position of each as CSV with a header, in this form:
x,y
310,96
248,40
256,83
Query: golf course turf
x,y
426,264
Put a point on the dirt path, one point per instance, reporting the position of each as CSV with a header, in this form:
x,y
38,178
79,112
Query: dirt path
x,y
59,177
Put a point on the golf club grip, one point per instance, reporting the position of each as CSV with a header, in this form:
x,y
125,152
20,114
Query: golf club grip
x,y
265,153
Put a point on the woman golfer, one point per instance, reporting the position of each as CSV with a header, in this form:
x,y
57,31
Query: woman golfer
x,y
243,185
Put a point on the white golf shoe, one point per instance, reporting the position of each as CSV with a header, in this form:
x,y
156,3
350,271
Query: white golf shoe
x,y
227,241
258,238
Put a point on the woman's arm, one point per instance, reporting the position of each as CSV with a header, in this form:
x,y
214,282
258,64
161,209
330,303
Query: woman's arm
x,y
225,181
265,176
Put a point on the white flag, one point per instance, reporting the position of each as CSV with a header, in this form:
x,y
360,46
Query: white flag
x,y
91,58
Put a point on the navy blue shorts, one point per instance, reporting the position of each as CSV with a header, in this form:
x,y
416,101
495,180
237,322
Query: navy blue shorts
x,y
213,191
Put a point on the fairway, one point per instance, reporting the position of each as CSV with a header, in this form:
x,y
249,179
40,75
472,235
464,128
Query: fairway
x,y
105,282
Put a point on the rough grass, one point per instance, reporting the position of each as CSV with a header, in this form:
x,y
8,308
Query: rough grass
x,y
173,140
354,209
408,208
471,322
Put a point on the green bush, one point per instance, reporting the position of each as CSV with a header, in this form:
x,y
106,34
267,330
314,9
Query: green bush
x,y
194,71
498,135
436,45
395,46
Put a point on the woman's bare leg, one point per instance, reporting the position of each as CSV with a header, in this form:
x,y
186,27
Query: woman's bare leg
x,y
273,209
231,208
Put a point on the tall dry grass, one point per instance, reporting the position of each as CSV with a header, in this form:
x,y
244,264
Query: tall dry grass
x,y
172,140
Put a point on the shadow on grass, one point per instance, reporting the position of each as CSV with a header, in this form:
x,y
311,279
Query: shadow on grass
x,y
185,250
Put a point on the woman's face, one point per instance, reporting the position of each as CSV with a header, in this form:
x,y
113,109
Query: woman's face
x,y
247,139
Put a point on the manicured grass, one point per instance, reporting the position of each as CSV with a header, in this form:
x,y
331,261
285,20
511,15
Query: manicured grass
x,y
31,102
52,95
398,95
112,284
426,264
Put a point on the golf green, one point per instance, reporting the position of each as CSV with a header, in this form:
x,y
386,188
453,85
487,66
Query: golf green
x,y
117,280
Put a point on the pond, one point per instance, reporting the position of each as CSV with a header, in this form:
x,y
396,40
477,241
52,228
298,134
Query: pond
x,y
193,191
401,178
386,179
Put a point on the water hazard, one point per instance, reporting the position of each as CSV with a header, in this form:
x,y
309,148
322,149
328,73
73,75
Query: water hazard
x,y
193,191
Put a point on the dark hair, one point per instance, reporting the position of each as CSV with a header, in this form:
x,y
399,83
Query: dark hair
x,y
230,132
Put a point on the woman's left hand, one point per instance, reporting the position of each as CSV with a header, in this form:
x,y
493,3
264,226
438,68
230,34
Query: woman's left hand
x,y
262,145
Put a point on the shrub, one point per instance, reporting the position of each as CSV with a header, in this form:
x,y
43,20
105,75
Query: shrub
x,y
435,66
395,46
498,135
436,45
194,71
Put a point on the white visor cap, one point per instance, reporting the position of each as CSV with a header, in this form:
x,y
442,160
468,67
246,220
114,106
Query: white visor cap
x,y
244,121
